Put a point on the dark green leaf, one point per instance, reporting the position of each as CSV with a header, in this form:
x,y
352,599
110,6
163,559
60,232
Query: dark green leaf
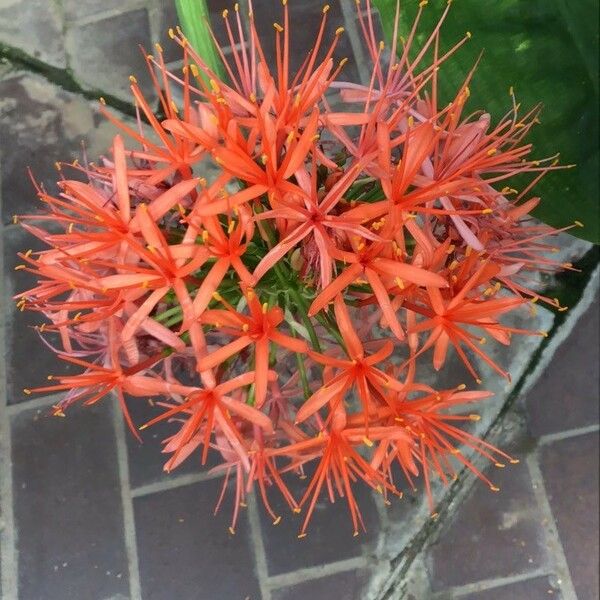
x,y
548,51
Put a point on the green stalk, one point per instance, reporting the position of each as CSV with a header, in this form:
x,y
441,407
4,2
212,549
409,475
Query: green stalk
x,y
195,22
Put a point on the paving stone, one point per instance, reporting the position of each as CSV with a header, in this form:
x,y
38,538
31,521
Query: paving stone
x,y
82,9
185,552
330,530
115,54
349,585
44,124
491,534
67,503
146,460
305,22
566,395
28,360
35,27
570,470
540,588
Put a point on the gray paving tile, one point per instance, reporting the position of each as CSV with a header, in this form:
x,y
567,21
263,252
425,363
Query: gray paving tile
x,y
540,588
81,9
570,470
330,532
305,22
490,535
566,395
115,54
67,504
185,552
349,585
146,459
44,124
35,27
28,360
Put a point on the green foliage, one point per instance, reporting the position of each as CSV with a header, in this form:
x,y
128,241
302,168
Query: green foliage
x,y
194,18
548,51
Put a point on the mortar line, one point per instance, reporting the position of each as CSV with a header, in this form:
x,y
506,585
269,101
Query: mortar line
x,y
129,532
488,584
8,538
310,573
260,555
173,483
550,438
552,535
61,78
35,403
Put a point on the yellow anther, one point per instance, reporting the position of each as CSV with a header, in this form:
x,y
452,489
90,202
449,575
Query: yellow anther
x,y
278,27
483,341
231,227
339,31
453,265
514,461
494,488
28,253
277,520
543,333
27,391
132,79
225,13
302,535
469,35
499,465
381,46
355,534
578,223
205,236
171,33
423,3
265,308
326,9
20,267
174,107
102,101
264,159
236,7
216,296
487,211
15,219
253,98
158,47
478,381
194,70
411,121
245,327
214,86
231,530
399,282
284,2
492,151
250,294
367,442
475,417
461,387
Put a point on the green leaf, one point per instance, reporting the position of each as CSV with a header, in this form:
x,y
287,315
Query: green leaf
x,y
195,22
548,51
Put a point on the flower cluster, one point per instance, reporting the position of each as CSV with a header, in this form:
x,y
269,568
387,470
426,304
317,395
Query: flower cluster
x,y
278,308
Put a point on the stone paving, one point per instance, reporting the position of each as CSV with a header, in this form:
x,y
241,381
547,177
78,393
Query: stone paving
x,y
86,512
